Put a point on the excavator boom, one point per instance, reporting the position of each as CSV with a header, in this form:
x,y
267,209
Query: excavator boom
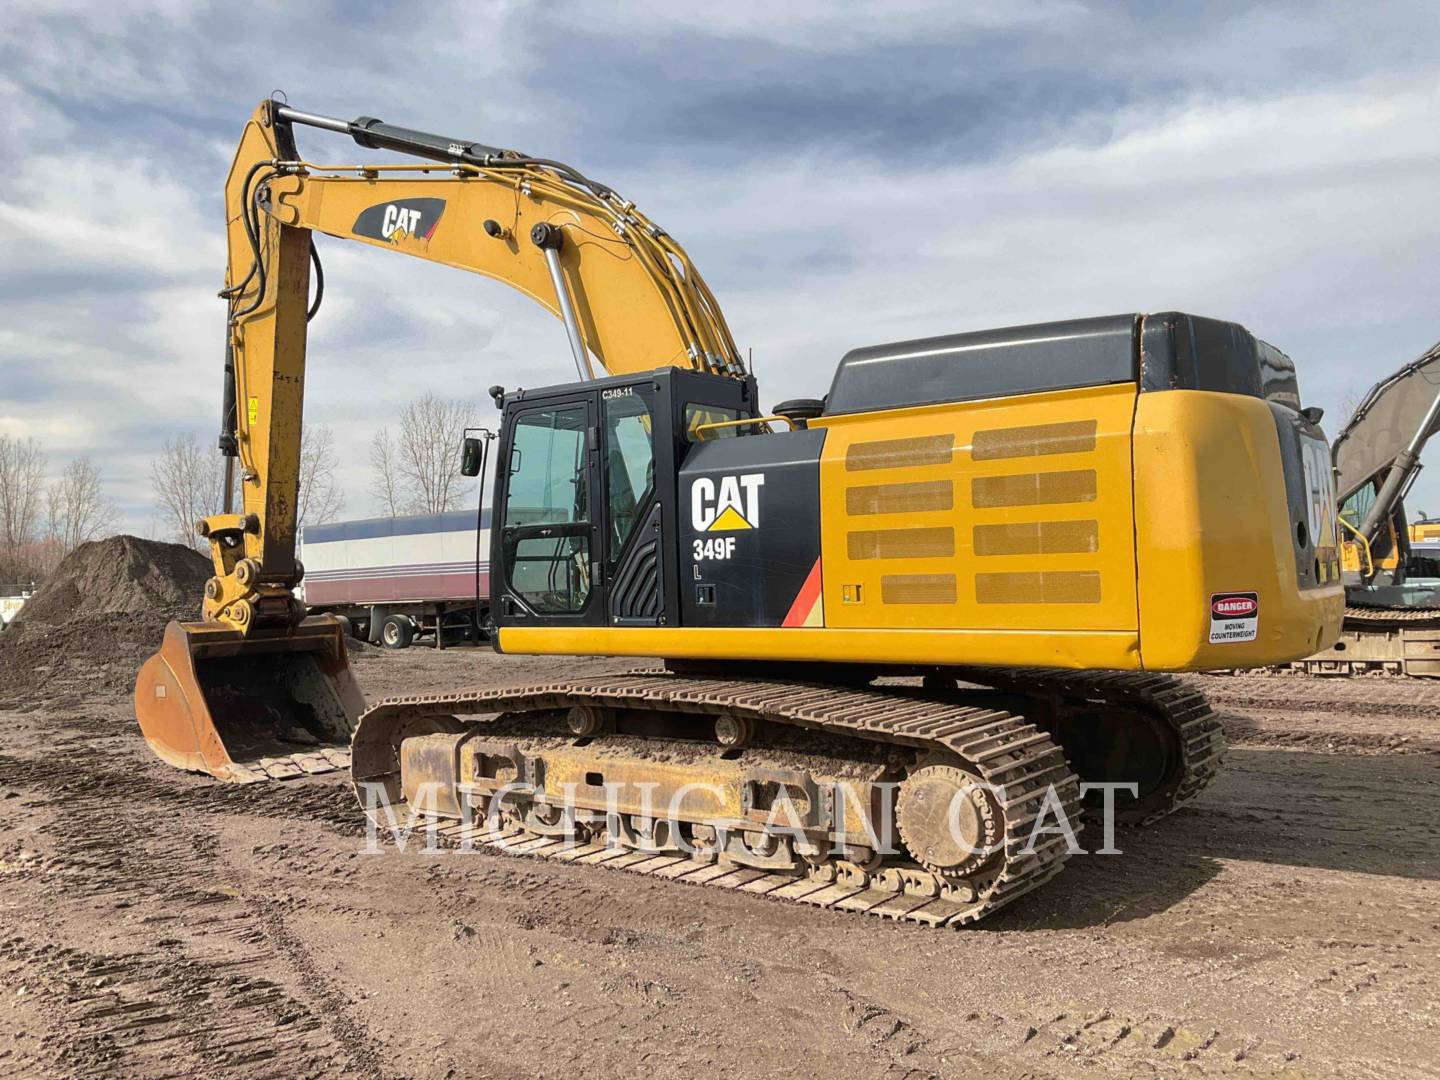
x,y
627,293
1380,447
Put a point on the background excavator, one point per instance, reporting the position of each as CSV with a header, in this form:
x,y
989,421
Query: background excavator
x,y
1391,565
1035,521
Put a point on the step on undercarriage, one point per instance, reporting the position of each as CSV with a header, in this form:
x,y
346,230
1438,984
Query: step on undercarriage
x,y
916,805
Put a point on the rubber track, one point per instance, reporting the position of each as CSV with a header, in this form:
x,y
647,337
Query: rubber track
x,y
1181,706
1003,749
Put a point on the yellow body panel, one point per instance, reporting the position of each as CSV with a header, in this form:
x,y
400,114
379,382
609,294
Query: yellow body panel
x,y
1213,518
1424,530
1008,514
1357,557
1059,649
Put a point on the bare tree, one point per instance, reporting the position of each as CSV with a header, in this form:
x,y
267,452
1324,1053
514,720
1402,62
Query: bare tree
x,y
22,479
430,432
319,497
420,471
188,483
386,484
77,508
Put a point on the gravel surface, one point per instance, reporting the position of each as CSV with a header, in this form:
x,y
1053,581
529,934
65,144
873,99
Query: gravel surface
x,y
154,923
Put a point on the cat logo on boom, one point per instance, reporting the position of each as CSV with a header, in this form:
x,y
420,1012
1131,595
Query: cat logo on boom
x,y
729,505
400,220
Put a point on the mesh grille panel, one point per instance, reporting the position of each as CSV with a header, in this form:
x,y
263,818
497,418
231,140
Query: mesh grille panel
x,y
1048,587
902,544
1075,437
1033,489
1038,538
899,453
900,498
918,589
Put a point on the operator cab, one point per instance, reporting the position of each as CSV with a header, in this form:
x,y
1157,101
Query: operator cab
x,y
586,495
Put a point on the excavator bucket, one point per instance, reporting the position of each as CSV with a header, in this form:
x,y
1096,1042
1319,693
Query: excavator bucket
x,y
250,708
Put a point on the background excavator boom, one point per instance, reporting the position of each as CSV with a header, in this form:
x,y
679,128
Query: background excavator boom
x,y
1380,446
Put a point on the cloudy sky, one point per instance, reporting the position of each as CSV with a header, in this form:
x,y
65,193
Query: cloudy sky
x,y
842,174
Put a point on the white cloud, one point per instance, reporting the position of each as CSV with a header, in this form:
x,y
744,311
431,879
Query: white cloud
x,y
818,26
1299,206
1259,211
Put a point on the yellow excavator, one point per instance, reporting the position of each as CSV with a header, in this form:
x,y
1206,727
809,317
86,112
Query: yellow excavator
x,y
905,626
1391,566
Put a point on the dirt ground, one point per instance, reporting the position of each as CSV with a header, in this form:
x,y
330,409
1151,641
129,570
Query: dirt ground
x,y
159,924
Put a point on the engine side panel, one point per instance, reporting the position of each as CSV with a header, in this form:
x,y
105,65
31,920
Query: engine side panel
x,y
1005,515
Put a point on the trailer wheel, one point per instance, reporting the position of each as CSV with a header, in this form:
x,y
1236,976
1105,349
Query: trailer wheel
x,y
460,628
397,632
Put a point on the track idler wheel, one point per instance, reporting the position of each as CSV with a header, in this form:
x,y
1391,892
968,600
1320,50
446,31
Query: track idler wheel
x,y
949,820
734,732
585,721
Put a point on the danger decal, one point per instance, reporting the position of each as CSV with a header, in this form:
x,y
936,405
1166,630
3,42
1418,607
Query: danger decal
x,y
1234,617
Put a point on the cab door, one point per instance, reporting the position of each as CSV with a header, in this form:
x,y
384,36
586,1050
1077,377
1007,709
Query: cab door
x,y
549,539
631,417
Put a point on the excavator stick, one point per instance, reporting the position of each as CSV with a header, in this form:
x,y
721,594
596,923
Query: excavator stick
x,y
245,709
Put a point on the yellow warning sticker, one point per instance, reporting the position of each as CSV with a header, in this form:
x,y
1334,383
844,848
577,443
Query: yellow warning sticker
x,y
254,411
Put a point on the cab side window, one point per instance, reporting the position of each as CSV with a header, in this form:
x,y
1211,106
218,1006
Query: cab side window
x,y
629,465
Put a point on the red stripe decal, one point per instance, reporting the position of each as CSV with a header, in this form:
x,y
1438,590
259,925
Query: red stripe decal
x,y
805,600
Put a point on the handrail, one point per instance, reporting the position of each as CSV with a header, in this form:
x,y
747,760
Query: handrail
x,y
766,421
1364,546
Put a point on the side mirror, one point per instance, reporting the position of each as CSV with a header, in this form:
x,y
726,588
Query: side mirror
x,y
470,457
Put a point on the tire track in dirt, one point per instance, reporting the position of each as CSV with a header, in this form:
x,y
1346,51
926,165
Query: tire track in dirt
x,y
207,987
142,1014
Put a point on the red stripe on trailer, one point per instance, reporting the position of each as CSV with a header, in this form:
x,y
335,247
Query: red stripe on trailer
x,y
419,588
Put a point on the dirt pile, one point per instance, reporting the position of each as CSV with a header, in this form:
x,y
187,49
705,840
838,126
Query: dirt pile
x,y
95,619
120,574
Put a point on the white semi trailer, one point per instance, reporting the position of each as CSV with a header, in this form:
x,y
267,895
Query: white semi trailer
x,y
396,579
